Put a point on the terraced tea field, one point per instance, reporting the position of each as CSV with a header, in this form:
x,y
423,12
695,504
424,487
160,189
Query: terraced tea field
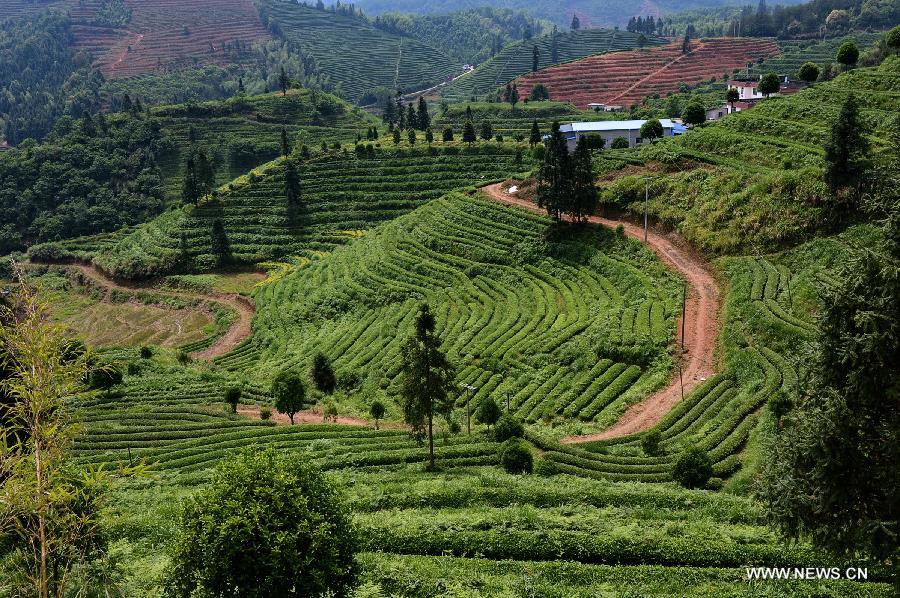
x,y
822,52
512,121
242,133
355,55
515,60
518,312
625,78
164,34
341,196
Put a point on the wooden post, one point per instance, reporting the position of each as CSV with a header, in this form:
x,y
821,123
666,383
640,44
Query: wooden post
x,y
469,415
681,379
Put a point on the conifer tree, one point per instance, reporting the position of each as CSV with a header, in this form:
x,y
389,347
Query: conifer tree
x,y
423,119
190,188
283,82
845,152
576,22
554,176
291,183
411,119
513,95
206,174
285,144
584,194
487,132
220,246
469,133
535,57
429,136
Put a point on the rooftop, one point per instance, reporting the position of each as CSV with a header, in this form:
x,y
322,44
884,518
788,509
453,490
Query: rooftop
x,y
610,125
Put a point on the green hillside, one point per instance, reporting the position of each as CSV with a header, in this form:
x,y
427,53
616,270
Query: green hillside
x,y
761,169
357,57
341,194
516,59
513,121
822,52
242,133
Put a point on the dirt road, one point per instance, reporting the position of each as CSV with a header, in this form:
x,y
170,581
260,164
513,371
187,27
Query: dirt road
x,y
239,330
701,329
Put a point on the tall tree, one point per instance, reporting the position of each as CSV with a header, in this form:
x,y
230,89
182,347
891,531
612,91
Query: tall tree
x,y
411,118
554,180
535,136
469,133
652,129
285,143
48,508
584,193
220,246
554,45
487,131
535,57
291,183
283,82
401,114
191,187
423,119
832,473
769,84
846,151
513,95
206,174
426,380
390,111
576,22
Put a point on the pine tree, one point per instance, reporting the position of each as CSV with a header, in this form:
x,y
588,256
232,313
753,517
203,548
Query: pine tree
x,y
576,22
283,82
845,152
535,136
240,88
411,120
554,46
535,57
220,247
285,144
423,118
554,180
401,115
469,133
584,194
513,95
206,174
390,112
469,113
411,136
397,136
429,136
426,380
291,183
487,132
190,188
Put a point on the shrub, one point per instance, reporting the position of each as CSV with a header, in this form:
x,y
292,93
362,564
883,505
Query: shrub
x,y
693,468
376,410
780,404
488,411
146,352
508,427
349,381
233,397
294,526
545,468
808,72
619,143
323,374
104,377
183,358
848,53
650,443
265,413
516,457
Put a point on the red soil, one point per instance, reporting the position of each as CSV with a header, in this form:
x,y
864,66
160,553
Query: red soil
x,y
701,328
625,78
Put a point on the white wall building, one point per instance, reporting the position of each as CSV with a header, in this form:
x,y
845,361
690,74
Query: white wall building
x,y
609,130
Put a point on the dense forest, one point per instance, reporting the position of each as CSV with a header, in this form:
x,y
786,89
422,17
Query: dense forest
x,y
472,35
91,175
41,77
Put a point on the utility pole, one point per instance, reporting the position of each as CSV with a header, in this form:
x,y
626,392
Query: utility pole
x,y
681,379
683,313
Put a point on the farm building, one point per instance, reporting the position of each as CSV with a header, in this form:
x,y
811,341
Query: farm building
x,y
609,130
748,89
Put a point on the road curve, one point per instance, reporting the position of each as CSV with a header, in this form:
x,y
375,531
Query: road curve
x,y
238,332
701,328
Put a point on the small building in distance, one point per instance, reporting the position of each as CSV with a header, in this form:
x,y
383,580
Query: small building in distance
x,y
605,107
748,88
609,130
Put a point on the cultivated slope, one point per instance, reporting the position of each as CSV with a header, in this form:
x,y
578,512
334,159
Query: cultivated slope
x,y
517,59
625,78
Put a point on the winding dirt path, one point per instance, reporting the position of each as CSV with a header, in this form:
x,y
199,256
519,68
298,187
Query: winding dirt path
x,y
237,333
701,328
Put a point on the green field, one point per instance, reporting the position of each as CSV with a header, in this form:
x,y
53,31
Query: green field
x,y
821,52
516,59
357,57
513,121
